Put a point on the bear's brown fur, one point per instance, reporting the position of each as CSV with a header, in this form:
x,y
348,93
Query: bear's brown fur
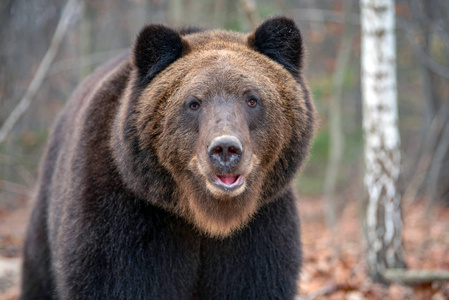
x,y
131,170
206,55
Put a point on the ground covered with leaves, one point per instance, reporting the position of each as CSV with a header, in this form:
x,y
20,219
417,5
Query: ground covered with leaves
x,y
334,262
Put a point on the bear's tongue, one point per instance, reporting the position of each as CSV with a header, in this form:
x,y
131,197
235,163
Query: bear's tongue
x,y
228,179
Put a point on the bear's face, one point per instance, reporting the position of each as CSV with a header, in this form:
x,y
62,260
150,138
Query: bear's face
x,y
219,118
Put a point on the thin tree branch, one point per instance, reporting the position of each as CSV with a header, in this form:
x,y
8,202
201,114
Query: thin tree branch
x,y
71,9
26,176
249,6
79,62
420,173
326,290
438,162
413,277
14,188
437,68
321,15
337,140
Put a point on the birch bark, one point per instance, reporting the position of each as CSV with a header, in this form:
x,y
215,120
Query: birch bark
x,y
380,122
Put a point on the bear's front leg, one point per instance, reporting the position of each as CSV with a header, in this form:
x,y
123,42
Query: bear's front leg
x,y
127,252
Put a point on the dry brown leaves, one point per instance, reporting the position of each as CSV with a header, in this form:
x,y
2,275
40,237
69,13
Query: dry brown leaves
x,y
334,262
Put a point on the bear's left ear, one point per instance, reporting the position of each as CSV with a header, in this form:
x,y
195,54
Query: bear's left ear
x,y
279,39
156,47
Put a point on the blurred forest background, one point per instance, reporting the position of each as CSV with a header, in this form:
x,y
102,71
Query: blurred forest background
x,y
98,30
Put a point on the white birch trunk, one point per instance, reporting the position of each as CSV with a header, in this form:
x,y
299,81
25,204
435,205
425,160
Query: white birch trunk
x,y
380,122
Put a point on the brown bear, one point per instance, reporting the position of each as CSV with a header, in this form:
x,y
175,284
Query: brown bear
x,y
168,174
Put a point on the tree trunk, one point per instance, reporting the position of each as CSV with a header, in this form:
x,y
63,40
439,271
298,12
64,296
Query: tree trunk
x,y
380,122
175,11
87,38
336,135
71,9
437,164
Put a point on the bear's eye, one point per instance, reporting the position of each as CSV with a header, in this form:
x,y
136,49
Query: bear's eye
x,y
252,102
194,105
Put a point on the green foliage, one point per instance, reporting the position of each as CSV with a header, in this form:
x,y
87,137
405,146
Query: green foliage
x,y
235,24
21,153
311,179
321,88
32,141
266,10
439,51
350,76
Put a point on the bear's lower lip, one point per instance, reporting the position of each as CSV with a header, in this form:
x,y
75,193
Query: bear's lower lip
x,y
227,181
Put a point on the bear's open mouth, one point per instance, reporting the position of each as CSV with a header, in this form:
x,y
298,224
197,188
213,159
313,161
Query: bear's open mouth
x,y
227,181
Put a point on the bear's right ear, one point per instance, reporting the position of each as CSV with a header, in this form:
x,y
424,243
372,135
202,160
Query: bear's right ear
x,y
156,47
279,39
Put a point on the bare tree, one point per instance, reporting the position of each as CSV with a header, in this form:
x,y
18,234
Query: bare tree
x,y
337,140
249,7
380,122
71,9
429,34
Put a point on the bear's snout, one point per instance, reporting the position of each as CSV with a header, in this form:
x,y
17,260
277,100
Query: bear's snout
x,y
225,151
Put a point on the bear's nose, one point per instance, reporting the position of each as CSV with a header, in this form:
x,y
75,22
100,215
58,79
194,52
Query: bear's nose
x,y
225,151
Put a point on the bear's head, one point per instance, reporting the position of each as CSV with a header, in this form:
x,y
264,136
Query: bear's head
x,y
214,124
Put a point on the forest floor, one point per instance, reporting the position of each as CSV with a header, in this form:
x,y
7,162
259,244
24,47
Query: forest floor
x,y
334,265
